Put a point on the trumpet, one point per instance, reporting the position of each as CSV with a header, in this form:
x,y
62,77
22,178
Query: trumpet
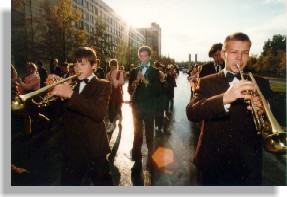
x,y
274,138
18,102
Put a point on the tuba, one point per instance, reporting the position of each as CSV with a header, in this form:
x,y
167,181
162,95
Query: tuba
x,y
274,138
18,101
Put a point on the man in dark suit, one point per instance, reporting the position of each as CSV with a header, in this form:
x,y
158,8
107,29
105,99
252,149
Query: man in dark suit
x,y
85,139
214,66
64,70
55,68
146,84
99,72
229,150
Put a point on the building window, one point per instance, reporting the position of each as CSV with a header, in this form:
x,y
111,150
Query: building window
x,y
81,24
85,16
85,4
91,29
86,26
80,2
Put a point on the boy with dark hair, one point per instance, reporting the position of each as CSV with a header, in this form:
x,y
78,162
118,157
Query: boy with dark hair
x,y
85,139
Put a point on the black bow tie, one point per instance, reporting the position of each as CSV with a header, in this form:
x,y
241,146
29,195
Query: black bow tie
x,y
144,66
230,76
83,80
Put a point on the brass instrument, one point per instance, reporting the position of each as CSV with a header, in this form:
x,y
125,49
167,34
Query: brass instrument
x,y
274,138
18,102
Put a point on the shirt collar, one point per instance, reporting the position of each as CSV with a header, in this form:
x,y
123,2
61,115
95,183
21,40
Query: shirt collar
x,y
91,76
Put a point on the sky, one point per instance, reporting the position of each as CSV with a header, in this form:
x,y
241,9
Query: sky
x,y
192,26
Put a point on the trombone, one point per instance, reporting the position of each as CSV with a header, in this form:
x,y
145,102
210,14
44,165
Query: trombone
x,y
274,138
18,102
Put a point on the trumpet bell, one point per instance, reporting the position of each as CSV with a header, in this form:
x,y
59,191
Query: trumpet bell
x,y
17,103
275,143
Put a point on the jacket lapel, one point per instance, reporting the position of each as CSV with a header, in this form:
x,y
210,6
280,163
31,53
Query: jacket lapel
x,y
91,83
223,79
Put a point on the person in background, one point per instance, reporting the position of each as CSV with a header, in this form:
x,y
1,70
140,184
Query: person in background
x,y
42,73
85,139
54,67
33,112
99,71
116,78
31,81
161,102
146,84
170,78
229,150
193,78
64,70
216,65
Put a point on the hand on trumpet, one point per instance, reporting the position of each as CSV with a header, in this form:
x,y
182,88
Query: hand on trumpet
x,y
140,77
63,90
257,103
238,90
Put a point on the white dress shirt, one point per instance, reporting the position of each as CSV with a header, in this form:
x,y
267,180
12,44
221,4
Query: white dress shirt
x,y
82,84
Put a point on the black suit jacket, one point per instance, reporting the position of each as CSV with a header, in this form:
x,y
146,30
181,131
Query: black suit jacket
x,y
223,134
56,70
207,69
144,95
84,127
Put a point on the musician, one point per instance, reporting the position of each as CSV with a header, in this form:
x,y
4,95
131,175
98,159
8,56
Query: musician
x,y
229,150
214,66
146,84
85,139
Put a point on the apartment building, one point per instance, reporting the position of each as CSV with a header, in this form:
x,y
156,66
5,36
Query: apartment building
x,y
152,36
117,28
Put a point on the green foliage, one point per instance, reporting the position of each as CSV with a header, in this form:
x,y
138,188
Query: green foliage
x,y
101,41
59,30
277,86
272,61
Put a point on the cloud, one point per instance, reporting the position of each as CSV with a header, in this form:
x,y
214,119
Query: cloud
x,y
261,33
245,7
274,1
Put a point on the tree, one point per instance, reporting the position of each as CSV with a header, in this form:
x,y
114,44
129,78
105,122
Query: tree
x,y
19,38
101,41
272,60
59,35
272,47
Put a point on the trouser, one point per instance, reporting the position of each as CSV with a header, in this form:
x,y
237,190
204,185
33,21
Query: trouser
x,y
242,167
114,109
146,119
80,172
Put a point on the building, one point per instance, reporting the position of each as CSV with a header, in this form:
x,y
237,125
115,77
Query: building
x,y
152,37
118,30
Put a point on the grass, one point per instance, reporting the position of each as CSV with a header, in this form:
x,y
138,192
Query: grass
x,y
278,86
